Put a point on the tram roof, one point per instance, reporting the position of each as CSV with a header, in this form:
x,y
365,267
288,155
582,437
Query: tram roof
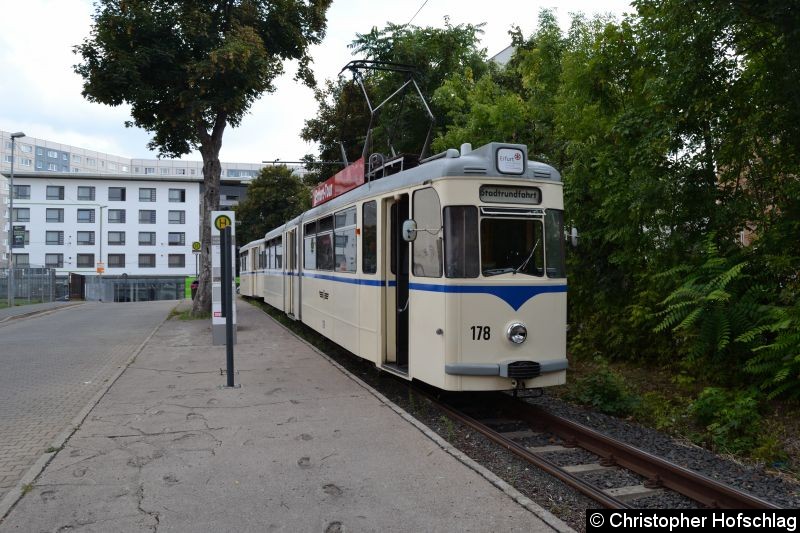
x,y
478,163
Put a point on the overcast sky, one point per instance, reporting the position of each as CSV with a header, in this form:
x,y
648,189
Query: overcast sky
x,y
41,95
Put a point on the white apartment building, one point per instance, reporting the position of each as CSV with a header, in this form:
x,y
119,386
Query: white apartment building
x,y
138,227
62,195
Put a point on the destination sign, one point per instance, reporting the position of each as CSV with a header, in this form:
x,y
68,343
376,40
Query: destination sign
x,y
502,194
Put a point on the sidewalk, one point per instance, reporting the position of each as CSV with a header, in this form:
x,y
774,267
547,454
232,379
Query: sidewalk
x,y
299,447
19,311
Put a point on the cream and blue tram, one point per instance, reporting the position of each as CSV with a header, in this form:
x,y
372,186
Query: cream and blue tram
x,y
451,272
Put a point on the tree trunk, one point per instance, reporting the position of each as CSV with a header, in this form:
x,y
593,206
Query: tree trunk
x,y
210,145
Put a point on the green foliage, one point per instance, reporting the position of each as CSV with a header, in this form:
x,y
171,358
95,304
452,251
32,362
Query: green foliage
x,y
188,68
274,197
659,411
731,419
711,310
777,356
604,390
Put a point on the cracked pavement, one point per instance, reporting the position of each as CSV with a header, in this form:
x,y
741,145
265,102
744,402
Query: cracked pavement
x,y
299,447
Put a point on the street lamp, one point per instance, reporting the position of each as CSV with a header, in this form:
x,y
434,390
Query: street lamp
x,y
14,137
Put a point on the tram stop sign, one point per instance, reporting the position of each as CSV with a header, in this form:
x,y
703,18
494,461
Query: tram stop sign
x,y
222,222
196,246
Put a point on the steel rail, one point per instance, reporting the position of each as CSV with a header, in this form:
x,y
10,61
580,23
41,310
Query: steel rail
x,y
659,472
551,468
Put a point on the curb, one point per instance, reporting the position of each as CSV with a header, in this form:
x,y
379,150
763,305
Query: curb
x,y
543,514
15,494
40,312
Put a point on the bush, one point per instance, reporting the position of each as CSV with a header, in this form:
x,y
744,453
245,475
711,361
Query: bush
x,y
731,419
604,390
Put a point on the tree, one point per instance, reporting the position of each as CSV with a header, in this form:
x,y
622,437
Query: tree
x,y
188,69
273,198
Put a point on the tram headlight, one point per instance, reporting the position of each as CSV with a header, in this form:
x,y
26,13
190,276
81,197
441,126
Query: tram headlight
x,y
517,333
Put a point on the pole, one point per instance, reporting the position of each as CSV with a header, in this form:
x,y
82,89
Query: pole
x,y
11,228
227,299
101,234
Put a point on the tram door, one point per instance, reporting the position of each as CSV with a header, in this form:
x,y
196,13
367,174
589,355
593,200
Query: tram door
x,y
289,281
396,273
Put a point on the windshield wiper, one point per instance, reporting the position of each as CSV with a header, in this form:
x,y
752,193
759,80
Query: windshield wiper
x,y
527,259
497,271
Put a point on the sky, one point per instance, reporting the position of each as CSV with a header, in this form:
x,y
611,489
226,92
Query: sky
x,y
41,95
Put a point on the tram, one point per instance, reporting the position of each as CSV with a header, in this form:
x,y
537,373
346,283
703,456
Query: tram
x,y
449,270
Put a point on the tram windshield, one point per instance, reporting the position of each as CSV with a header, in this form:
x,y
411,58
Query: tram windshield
x,y
519,245
512,245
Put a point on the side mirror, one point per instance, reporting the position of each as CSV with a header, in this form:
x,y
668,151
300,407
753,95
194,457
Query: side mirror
x,y
409,230
573,237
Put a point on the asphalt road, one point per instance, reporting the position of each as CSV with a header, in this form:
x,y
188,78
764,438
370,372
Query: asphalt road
x,y
52,365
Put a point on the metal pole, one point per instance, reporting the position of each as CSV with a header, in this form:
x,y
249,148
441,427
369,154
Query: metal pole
x,y
227,300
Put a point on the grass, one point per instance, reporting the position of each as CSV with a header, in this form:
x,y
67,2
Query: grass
x,y
18,303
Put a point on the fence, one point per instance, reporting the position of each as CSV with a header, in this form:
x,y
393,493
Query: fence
x,y
129,289
33,285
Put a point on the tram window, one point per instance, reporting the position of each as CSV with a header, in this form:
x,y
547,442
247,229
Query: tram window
x,y
324,251
344,240
512,245
309,253
460,236
369,239
325,224
310,228
427,248
279,252
554,243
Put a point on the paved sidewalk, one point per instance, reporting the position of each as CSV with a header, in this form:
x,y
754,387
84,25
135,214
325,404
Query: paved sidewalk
x,y
299,447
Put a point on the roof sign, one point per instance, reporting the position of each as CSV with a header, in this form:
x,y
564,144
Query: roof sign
x,y
345,180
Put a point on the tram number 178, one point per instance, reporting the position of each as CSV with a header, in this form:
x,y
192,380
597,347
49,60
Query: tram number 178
x,y
481,333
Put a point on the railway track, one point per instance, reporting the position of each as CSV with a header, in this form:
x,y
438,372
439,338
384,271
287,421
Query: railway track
x,y
517,421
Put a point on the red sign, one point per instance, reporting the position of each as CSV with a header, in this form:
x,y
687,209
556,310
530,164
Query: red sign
x,y
345,180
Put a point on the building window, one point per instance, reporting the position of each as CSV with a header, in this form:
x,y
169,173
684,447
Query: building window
x,y
21,214
54,260
177,217
39,164
76,158
25,162
55,192
85,260
39,150
64,168
64,157
21,260
124,168
177,260
85,193
91,161
165,172
116,260
85,215
54,214
147,216
22,192
147,260
52,166
86,238
177,238
116,238
8,158
112,166
26,148
147,238
52,154
149,170
116,194
54,237
75,169
147,195
192,171
116,216
177,195
180,171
